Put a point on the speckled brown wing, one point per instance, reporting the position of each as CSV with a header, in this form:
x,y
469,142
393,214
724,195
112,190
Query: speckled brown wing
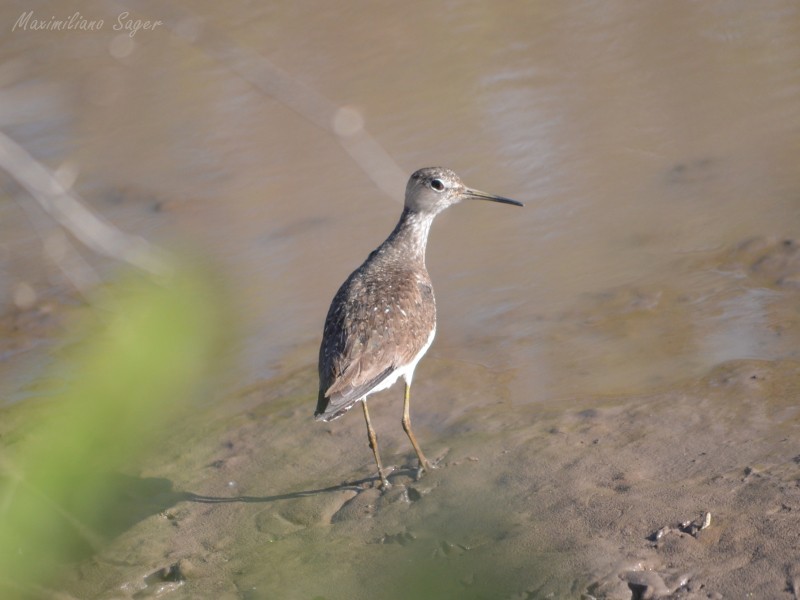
x,y
379,320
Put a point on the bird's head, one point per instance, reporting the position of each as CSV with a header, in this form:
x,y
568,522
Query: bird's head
x,y
433,189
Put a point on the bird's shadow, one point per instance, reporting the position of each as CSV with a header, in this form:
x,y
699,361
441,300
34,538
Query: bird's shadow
x,y
136,498
358,485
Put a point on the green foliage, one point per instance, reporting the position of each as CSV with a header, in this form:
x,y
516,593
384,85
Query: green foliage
x,y
126,383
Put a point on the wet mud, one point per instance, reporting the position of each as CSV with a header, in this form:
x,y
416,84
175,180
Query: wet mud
x,y
689,492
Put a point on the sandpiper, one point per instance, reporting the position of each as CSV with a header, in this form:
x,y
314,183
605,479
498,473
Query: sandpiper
x,y
383,318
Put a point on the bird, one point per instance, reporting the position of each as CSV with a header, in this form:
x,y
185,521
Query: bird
x,y
382,319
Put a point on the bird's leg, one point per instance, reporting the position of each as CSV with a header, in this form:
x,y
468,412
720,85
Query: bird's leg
x,y
423,462
373,443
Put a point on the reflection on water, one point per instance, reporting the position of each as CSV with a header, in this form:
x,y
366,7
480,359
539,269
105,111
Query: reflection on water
x,y
742,328
641,136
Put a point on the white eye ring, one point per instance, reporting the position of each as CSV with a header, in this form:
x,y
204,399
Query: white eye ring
x,y
437,185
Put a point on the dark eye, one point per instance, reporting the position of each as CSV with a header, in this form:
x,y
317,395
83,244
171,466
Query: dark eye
x,y
438,185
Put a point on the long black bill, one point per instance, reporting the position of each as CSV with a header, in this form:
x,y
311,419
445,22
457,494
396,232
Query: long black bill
x,y
478,195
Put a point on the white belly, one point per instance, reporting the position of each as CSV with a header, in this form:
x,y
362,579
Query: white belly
x,y
406,372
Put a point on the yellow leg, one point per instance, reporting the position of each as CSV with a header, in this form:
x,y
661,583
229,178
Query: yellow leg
x,y
373,443
423,462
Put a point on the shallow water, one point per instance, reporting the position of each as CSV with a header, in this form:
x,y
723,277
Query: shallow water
x,y
640,136
655,146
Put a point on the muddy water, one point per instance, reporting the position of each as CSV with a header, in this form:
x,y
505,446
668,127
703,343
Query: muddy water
x,y
641,137
654,144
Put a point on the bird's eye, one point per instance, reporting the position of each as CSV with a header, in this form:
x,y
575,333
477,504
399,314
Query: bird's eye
x,y
438,185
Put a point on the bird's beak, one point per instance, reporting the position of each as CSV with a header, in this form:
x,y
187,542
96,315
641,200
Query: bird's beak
x,y
478,195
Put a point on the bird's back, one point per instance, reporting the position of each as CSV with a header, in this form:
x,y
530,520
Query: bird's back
x,y
380,320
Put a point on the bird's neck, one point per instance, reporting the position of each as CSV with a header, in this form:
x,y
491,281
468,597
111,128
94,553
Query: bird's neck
x,y
409,238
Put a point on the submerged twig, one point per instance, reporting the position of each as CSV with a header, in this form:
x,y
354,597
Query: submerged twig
x,y
70,212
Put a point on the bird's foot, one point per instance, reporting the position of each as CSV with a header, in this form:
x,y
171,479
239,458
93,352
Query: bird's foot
x,y
425,467
384,484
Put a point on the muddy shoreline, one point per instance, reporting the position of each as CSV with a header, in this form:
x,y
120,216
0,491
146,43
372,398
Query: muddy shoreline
x,y
587,497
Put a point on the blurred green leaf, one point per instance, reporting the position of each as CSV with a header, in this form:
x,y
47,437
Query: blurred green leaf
x,y
127,383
